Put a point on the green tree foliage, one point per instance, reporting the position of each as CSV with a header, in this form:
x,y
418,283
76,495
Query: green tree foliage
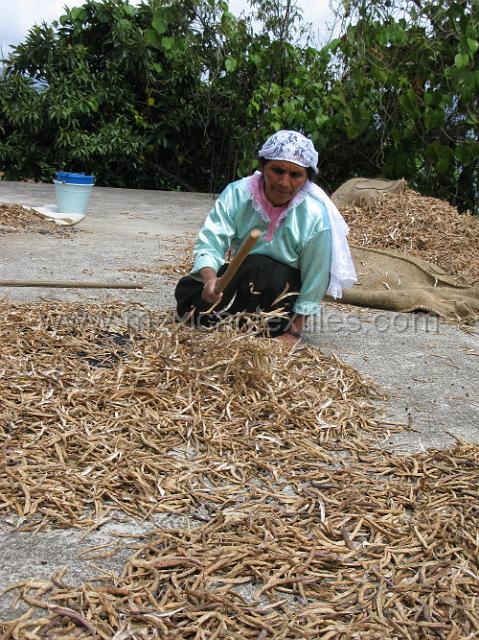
x,y
181,93
408,87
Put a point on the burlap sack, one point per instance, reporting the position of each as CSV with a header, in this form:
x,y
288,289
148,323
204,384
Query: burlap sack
x,y
363,191
399,282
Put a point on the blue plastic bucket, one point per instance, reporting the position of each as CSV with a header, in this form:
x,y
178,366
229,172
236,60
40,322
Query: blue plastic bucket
x,y
74,178
73,191
78,178
72,198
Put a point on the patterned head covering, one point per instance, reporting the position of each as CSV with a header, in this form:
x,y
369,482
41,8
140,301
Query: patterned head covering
x,y
292,147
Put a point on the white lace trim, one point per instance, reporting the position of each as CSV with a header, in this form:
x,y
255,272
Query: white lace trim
x,y
254,203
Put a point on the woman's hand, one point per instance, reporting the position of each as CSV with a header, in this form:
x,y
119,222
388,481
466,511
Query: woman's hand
x,y
209,293
208,275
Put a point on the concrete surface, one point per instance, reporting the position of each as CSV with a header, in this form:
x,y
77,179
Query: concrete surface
x,y
430,369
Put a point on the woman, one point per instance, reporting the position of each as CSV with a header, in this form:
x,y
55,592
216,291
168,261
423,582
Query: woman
x,y
302,253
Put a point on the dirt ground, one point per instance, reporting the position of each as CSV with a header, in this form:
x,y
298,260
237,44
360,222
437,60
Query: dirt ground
x,y
429,369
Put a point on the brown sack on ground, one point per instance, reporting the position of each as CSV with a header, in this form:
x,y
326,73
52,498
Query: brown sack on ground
x,y
395,281
363,191
422,226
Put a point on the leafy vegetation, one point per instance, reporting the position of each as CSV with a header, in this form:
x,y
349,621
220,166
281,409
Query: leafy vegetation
x,y
181,93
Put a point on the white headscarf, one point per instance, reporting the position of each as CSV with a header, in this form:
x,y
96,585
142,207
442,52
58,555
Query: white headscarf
x,y
342,274
292,146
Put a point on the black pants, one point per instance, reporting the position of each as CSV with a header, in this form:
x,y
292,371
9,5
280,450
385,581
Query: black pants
x,y
255,287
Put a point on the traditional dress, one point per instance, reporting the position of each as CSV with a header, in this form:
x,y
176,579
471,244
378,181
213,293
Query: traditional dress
x,y
302,253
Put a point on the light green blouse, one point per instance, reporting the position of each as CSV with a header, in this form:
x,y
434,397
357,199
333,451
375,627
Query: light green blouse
x,y
302,240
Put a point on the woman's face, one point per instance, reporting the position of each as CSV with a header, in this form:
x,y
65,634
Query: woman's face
x,y
282,181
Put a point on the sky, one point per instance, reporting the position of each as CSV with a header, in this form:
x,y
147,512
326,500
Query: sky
x,y
18,16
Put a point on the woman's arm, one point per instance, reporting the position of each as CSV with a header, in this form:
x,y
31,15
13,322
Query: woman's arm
x,y
214,238
315,266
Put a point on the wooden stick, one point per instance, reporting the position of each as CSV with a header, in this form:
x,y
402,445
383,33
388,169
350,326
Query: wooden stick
x,y
237,260
68,284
